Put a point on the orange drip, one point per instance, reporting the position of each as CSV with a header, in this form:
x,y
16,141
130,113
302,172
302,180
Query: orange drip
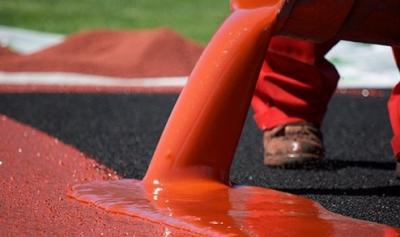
x,y
187,182
203,130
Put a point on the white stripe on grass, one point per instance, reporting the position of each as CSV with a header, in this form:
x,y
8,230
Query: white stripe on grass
x,y
76,79
360,65
27,41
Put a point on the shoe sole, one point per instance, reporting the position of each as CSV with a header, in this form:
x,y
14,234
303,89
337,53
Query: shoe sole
x,y
294,161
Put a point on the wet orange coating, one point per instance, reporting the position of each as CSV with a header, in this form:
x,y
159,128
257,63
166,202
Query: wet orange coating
x,y
203,130
219,210
187,182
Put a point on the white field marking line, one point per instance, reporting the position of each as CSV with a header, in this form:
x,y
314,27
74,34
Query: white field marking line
x,y
358,78
363,66
27,41
76,79
367,84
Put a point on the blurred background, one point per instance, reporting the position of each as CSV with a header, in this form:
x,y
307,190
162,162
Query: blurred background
x,y
360,65
194,19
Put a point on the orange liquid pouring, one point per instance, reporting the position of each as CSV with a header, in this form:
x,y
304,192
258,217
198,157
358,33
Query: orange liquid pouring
x,y
187,182
203,130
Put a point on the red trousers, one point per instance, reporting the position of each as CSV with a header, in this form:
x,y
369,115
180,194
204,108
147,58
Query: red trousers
x,y
296,83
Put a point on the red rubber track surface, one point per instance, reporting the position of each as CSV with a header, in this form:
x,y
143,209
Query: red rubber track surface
x,y
35,173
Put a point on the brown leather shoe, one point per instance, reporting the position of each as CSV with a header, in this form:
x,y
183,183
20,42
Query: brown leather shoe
x,y
398,169
297,145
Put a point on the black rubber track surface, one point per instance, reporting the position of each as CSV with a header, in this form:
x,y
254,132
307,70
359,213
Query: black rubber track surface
x,y
121,131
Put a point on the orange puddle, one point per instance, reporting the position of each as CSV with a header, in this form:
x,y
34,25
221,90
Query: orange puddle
x,y
187,182
218,210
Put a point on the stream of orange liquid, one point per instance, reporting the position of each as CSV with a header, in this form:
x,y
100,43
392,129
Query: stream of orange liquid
x,y
187,183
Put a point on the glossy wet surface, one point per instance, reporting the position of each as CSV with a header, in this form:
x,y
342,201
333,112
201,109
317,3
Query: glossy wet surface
x,y
213,209
120,131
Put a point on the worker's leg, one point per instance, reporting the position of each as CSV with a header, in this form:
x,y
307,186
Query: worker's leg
x,y
295,85
394,114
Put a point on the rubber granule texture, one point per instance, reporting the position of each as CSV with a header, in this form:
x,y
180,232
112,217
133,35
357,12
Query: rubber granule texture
x,y
121,130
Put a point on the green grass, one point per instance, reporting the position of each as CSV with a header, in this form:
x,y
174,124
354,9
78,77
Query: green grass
x,y
197,19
